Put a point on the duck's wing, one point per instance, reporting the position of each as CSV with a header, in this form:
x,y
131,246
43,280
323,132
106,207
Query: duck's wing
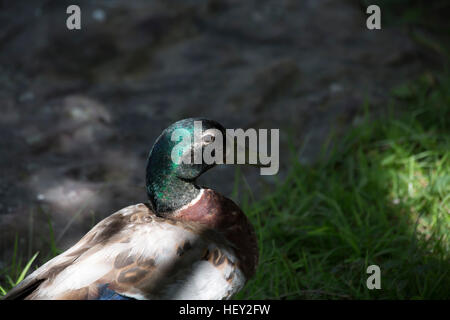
x,y
135,254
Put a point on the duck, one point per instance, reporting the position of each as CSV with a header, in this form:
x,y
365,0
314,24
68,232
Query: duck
x,y
186,242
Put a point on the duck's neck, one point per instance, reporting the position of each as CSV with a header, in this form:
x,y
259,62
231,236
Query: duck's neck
x,y
167,192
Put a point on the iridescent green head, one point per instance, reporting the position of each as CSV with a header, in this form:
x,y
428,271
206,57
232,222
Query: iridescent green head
x,y
170,179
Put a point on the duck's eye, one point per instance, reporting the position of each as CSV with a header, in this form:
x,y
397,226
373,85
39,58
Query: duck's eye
x,y
209,138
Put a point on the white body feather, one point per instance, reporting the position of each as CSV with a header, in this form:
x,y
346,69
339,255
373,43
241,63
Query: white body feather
x,y
151,240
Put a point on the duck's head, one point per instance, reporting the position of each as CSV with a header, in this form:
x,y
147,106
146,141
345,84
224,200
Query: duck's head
x,y
170,178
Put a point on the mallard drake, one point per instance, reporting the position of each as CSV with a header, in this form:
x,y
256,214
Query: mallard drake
x,y
187,242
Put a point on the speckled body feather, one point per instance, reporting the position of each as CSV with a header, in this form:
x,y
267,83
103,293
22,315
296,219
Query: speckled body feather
x,y
205,250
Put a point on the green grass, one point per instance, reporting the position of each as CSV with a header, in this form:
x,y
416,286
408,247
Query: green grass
x,y
16,272
380,196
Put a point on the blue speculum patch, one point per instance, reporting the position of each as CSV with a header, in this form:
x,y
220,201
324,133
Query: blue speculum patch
x,y
105,293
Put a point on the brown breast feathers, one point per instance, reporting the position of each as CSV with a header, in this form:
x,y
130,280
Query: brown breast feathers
x,y
222,214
